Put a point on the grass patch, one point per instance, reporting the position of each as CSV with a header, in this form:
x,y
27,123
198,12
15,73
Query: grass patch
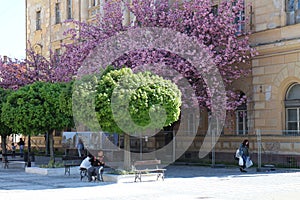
x,y
52,164
120,172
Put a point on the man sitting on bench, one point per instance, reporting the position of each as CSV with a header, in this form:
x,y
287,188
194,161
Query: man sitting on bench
x,y
97,167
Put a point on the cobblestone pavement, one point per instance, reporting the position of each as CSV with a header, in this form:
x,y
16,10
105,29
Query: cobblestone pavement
x,y
182,182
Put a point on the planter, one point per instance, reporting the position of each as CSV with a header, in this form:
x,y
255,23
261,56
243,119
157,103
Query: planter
x,y
106,177
46,171
128,178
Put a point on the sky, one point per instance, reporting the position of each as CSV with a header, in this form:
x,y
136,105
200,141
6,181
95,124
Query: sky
x,y
12,28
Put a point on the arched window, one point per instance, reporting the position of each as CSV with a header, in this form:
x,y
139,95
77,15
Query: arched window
x,y
38,49
241,116
292,107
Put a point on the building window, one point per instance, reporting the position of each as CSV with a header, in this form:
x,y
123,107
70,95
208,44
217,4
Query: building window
x,y
241,122
57,13
93,3
38,49
292,106
191,124
69,9
214,10
38,20
57,55
241,117
292,11
240,19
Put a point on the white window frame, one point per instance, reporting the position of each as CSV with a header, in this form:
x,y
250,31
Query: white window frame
x,y
244,113
69,9
57,55
57,13
38,24
240,27
297,120
191,123
292,103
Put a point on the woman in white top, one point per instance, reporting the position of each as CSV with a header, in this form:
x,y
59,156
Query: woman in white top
x,y
86,163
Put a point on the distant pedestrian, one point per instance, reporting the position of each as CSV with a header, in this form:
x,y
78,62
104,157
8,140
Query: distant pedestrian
x,y
80,147
21,144
244,155
13,150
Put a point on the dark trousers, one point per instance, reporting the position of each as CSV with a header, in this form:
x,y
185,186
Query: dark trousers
x,y
95,171
244,160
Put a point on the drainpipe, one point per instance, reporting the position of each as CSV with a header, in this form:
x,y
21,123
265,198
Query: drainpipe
x,y
26,32
50,28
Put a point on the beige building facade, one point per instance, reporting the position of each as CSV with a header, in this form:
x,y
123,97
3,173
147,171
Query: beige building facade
x,y
45,19
273,90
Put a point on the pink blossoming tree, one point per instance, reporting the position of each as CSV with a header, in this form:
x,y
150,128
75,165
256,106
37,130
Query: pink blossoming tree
x,y
216,29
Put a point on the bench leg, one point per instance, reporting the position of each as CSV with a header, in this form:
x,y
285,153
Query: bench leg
x,y
6,165
138,176
158,175
67,171
161,174
100,174
83,174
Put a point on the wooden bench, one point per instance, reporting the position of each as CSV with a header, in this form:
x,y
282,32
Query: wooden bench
x,y
147,166
71,161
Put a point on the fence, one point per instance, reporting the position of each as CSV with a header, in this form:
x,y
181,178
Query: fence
x,y
279,147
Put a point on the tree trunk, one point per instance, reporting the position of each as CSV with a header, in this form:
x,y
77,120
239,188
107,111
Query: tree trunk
x,y
29,152
3,146
47,151
51,145
127,157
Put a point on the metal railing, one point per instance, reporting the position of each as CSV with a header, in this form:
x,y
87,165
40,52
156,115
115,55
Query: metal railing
x,y
278,147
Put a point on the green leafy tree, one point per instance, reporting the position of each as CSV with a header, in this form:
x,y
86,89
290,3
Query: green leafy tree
x,y
4,129
35,109
65,103
83,102
128,103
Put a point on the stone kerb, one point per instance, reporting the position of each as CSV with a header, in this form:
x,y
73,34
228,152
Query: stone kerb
x,y
75,171
128,178
50,171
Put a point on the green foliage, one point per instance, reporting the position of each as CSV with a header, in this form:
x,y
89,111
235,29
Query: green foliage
x,y
128,102
35,109
65,103
52,164
84,91
4,129
103,99
121,172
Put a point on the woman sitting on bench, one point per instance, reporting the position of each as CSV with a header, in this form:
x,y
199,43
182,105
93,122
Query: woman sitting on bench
x,y
86,163
97,167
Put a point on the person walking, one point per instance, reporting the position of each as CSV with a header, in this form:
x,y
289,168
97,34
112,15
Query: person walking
x,y
244,154
13,150
80,147
21,144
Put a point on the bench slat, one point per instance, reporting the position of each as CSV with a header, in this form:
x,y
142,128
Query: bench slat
x,y
147,162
